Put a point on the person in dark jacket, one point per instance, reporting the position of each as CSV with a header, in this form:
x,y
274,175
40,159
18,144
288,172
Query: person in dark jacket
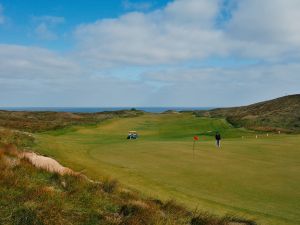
x,y
218,140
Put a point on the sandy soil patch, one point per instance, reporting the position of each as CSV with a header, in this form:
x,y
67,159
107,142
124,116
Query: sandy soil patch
x,y
46,163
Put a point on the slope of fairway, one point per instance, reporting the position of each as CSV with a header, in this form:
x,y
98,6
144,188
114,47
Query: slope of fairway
x,y
258,178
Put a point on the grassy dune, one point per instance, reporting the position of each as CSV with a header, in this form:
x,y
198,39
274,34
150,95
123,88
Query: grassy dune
x,y
273,115
31,196
256,178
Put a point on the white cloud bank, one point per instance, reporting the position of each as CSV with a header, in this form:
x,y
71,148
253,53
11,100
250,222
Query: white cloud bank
x,y
224,87
181,31
184,31
266,29
19,62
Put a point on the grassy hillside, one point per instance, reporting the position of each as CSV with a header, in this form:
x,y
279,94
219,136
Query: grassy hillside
x,y
18,138
248,177
34,197
278,114
42,121
30,196
256,178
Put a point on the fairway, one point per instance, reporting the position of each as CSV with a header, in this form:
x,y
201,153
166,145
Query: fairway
x,y
256,178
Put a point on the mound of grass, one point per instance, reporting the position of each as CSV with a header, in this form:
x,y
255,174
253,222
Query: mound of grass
x,y
18,138
279,114
35,197
43,121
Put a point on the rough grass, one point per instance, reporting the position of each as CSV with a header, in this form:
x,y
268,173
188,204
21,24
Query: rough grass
x,y
18,138
34,197
43,121
282,114
253,177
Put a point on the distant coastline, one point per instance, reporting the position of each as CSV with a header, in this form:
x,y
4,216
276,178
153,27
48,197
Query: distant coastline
x,y
102,109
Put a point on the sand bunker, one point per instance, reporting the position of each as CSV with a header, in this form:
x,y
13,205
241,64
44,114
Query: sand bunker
x,y
46,163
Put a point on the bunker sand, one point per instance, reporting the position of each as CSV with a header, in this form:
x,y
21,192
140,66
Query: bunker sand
x,y
46,163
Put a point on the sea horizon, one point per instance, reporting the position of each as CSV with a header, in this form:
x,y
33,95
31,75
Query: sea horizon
x,y
154,109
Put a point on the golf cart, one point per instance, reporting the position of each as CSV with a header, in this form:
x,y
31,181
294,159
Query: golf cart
x,y
132,135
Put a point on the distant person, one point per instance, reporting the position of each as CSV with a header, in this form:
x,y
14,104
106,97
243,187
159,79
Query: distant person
x,y
218,140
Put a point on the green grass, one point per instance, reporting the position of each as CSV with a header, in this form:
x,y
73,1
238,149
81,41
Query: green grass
x,y
256,178
30,196
35,197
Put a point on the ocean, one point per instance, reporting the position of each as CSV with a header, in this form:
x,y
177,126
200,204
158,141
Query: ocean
x,y
102,109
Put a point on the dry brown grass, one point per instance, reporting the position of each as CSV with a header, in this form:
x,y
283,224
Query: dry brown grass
x,y
9,149
274,115
44,121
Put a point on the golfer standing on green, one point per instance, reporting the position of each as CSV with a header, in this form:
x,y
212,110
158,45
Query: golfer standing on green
x,y
218,140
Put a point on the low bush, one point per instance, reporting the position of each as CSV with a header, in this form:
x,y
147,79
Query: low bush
x,y
109,185
25,216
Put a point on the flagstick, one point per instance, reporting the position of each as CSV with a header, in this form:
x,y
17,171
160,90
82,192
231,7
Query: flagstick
x,y
194,149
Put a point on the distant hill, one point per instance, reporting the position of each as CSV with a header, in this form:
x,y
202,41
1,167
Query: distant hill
x,y
278,114
44,121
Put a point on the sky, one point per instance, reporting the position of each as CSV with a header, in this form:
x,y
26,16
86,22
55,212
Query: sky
x,y
119,53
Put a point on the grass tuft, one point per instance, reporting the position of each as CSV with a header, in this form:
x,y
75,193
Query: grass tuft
x,y
110,185
26,216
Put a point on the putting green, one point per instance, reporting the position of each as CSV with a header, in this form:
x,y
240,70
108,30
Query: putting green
x,y
257,178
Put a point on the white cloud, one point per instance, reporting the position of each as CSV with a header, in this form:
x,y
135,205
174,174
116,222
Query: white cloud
x,y
224,86
82,92
2,17
187,30
35,76
268,20
197,13
19,62
31,76
45,26
183,30
268,28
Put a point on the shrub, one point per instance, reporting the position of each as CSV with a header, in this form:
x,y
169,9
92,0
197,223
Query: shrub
x,y
207,219
235,219
137,212
94,218
109,185
174,209
130,210
24,215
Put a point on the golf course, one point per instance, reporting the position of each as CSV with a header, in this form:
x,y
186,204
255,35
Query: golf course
x,y
257,178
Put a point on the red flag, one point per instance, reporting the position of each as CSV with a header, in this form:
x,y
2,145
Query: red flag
x,y
196,138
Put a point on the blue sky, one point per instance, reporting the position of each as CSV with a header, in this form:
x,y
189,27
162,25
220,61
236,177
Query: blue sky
x,y
22,14
148,53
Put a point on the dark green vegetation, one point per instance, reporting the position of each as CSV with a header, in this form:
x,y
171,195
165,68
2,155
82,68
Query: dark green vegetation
x,y
279,114
35,197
